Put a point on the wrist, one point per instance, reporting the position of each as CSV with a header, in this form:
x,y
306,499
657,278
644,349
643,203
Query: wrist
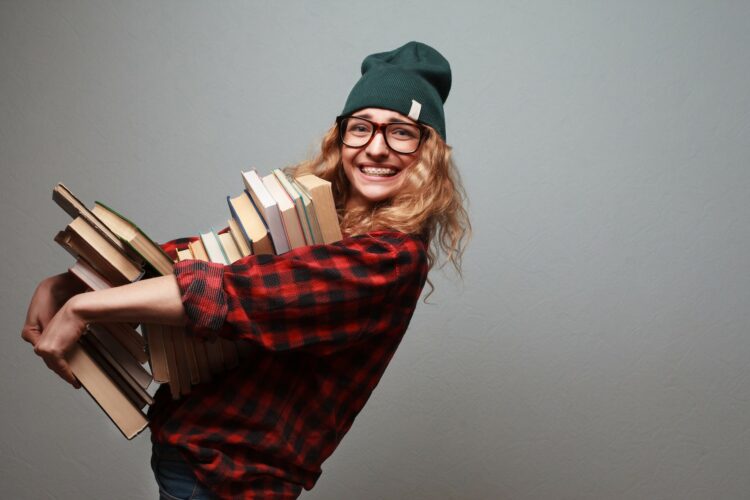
x,y
82,307
71,314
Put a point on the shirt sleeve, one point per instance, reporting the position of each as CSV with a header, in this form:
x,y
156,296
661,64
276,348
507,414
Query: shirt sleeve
x,y
319,297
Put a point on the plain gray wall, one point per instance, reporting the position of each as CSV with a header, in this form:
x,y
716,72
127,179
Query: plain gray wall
x,y
597,347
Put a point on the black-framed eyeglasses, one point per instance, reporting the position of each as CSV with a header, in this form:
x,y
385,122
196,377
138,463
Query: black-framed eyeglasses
x,y
401,137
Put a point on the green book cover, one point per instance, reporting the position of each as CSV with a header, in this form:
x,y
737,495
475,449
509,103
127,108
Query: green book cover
x,y
135,238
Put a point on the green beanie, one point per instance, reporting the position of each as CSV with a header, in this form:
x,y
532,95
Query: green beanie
x,y
413,80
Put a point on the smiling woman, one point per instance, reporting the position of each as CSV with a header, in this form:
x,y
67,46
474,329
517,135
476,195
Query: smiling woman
x,y
323,321
374,168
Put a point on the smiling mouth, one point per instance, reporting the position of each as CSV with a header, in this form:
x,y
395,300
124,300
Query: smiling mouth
x,y
379,171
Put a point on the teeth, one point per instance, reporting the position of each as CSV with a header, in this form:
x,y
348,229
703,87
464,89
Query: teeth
x,y
382,171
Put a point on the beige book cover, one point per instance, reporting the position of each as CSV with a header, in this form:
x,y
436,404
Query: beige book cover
x,y
239,238
251,224
128,419
322,196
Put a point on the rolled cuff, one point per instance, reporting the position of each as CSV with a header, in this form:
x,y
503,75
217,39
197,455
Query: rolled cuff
x,y
203,296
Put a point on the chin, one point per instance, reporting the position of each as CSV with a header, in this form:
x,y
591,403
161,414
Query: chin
x,y
373,198
376,192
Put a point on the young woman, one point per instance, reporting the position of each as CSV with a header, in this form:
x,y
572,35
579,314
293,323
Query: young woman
x,y
323,321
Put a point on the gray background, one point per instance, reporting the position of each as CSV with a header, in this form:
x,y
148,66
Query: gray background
x,y
597,346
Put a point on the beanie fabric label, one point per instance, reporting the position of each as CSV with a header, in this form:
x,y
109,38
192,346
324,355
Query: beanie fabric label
x,y
416,108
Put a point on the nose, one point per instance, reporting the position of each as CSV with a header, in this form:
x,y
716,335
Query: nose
x,y
377,146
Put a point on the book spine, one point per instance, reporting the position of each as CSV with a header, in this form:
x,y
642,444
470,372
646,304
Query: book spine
x,y
157,355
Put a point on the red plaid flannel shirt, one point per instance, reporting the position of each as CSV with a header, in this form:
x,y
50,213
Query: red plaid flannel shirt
x,y
324,321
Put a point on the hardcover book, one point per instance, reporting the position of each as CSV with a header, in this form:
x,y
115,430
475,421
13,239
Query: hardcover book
x,y
268,209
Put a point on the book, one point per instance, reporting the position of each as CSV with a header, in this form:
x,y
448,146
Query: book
x,y
135,392
82,241
186,366
317,236
110,398
213,248
239,239
199,252
176,372
103,261
268,209
73,207
190,358
157,352
251,224
319,190
130,269
121,355
128,338
230,247
184,254
111,372
88,275
135,238
289,218
299,205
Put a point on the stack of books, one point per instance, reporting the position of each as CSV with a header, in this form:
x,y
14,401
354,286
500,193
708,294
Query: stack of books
x,y
272,215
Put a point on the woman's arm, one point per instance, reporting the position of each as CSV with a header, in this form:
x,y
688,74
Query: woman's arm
x,y
155,300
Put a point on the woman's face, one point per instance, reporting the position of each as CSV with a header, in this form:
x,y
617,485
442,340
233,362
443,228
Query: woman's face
x,y
375,171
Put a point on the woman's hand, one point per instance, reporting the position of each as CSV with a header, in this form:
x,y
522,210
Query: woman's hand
x,y
49,298
59,336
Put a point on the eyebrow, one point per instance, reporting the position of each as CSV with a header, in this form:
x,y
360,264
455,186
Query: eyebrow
x,y
393,119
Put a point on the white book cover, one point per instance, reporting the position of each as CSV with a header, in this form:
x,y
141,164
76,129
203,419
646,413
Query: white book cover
x,y
268,208
289,217
213,248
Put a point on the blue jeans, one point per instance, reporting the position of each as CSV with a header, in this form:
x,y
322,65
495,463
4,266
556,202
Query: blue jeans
x,y
174,475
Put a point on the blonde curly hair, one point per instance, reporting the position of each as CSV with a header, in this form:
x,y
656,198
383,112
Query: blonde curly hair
x,y
436,214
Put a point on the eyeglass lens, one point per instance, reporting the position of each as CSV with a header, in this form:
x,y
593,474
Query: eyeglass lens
x,y
400,137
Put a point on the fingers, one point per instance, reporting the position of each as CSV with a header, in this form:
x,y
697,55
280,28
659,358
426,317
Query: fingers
x,y
52,339
55,361
31,334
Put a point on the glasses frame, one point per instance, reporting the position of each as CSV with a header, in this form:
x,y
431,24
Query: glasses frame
x,y
380,127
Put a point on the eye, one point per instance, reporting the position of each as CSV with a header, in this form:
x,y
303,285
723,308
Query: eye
x,y
403,132
358,128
